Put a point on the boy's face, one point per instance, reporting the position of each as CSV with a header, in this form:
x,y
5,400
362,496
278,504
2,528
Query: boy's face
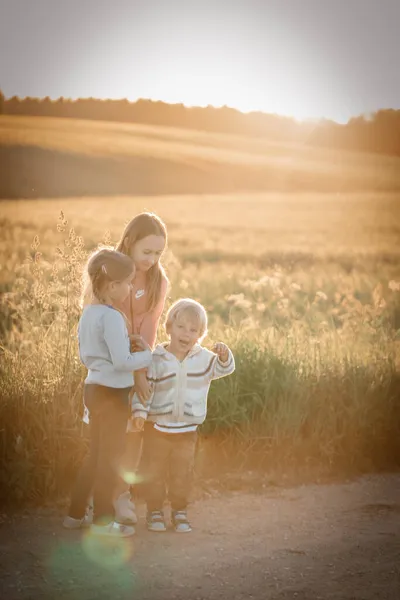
x,y
184,333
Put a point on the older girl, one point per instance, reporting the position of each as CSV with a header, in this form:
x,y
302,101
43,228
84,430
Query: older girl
x,y
144,240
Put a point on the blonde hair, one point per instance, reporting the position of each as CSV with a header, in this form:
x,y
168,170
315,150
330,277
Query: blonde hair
x,y
104,266
141,226
191,308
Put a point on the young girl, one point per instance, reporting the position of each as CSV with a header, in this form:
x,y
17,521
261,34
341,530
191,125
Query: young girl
x,y
144,240
104,347
181,372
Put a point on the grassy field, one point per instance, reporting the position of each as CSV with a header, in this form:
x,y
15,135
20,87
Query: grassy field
x,y
305,287
46,157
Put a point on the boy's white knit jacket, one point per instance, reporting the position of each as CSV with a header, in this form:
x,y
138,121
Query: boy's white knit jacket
x,y
180,389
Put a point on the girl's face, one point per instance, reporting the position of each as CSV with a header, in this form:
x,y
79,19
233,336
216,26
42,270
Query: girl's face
x,y
118,291
147,251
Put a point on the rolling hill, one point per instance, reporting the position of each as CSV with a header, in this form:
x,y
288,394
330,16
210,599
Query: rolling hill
x,y
48,157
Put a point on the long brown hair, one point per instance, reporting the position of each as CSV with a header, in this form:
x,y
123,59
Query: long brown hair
x,y
141,226
103,266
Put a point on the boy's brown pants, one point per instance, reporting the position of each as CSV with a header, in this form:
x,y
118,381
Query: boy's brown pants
x,y
167,467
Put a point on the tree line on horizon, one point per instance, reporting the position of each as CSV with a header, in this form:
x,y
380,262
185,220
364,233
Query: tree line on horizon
x,y
378,132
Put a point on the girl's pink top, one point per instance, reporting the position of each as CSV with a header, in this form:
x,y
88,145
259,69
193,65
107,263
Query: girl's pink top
x,y
141,321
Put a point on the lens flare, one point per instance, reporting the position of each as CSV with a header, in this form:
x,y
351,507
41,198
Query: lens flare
x,y
108,552
130,477
94,566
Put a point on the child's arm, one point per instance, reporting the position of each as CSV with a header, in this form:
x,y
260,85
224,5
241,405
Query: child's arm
x,y
148,329
139,411
149,325
116,339
138,408
225,363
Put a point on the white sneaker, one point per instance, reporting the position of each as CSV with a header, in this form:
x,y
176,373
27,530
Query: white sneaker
x,y
113,529
71,523
125,510
155,521
180,521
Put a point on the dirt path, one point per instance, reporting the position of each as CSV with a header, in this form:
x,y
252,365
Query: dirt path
x,y
339,541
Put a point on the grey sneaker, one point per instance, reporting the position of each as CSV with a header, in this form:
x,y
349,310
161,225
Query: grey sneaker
x,y
180,521
155,521
71,523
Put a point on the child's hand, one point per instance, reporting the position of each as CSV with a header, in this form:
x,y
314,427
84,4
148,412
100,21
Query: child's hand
x,y
137,423
143,387
222,351
138,344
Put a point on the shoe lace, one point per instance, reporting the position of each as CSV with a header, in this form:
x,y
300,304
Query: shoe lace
x,y
157,515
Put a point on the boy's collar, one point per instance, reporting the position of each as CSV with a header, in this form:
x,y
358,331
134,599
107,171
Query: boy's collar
x,y
161,350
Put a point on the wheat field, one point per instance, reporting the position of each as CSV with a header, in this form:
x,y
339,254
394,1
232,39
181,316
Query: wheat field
x,y
303,285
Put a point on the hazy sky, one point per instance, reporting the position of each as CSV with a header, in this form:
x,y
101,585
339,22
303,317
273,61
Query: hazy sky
x,y
306,58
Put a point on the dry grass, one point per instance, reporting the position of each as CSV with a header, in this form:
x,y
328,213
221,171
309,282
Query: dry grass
x,y
238,228
304,287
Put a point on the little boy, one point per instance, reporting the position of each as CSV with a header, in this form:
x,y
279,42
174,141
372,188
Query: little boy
x,y
181,373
